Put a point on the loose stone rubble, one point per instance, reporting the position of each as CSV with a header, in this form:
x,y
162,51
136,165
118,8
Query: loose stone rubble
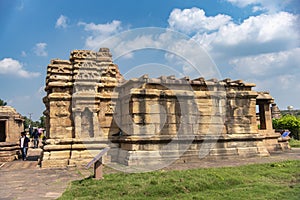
x,y
147,120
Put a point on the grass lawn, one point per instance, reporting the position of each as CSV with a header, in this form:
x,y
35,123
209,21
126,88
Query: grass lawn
x,y
259,181
294,143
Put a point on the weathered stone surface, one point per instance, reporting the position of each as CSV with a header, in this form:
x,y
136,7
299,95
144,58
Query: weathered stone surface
x,y
11,124
55,163
148,120
7,158
60,147
9,151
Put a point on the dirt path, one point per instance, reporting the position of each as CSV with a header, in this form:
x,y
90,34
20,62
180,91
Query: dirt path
x,y
26,180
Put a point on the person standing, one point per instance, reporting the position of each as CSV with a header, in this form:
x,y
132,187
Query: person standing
x,y
30,131
36,136
24,140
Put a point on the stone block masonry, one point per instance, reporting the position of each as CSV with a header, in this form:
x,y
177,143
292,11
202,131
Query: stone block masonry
x,y
145,120
11,126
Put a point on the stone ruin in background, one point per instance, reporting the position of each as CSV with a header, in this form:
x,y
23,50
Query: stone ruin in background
x,y
11,126
90,106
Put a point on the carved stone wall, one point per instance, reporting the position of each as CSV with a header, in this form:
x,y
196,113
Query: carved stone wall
x,y
11,126
145,120
155,112
79,106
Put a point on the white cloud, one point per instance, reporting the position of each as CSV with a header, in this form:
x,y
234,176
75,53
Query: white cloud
x,y
100,32
14,67
179,51
194,20
257,8
284,88
271,64
286,82
277,73
40,49
265,33
41,92
263,49
107,28
23,54
260,29
244,3
271,6
20,5
61,22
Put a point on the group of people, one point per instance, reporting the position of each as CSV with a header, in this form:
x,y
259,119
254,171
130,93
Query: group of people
x,y
24,141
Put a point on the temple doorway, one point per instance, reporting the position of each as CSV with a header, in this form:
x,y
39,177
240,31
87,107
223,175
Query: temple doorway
x,y
2,131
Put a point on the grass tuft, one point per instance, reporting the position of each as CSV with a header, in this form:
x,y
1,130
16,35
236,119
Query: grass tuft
x,y
294,143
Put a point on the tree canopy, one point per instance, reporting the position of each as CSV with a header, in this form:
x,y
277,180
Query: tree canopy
x,y
2,103
40,123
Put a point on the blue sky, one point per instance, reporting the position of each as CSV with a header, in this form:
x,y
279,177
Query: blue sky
x,y
253,40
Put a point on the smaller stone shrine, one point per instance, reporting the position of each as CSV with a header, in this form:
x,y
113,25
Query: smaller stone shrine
x,y
11,126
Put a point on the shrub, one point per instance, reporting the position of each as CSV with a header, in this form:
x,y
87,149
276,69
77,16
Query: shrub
x,y
289,122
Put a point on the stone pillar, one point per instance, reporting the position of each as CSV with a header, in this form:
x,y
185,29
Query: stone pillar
x,y
265,116
58,99
262,116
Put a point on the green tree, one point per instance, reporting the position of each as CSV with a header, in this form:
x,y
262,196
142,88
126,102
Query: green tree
x,y
290,122
42,121
36,124
2,103
27,122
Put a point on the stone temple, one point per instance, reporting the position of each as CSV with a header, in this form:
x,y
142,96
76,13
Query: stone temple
x,y
150,121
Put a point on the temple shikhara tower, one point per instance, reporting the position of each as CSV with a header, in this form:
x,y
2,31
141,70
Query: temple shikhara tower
x,y
146,120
